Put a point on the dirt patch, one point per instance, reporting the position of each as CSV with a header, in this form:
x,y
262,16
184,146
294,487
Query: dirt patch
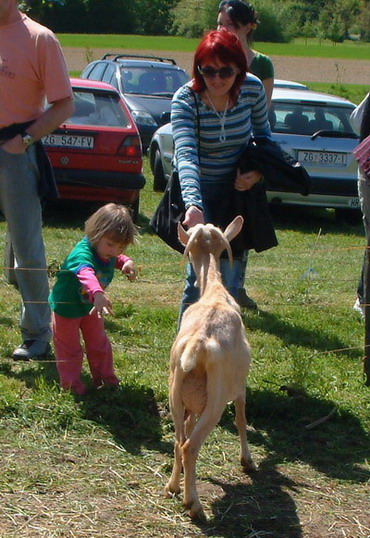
x,y
286,67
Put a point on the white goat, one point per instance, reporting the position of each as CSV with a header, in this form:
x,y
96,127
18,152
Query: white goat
x,y
210,359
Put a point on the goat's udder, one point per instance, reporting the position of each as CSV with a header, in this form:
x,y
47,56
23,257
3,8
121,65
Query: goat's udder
x,y
194,391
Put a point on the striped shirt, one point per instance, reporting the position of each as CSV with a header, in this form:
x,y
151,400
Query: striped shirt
x,y
217,159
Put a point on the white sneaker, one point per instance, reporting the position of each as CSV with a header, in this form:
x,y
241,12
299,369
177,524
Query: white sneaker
x,y
359,308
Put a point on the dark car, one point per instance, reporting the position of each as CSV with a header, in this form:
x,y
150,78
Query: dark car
x,y
147,84
96,154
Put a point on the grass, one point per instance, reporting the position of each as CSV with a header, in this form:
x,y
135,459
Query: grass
x,y
350,50
96,466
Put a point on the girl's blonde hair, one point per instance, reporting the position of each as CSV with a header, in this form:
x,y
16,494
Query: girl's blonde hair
x,y
112,220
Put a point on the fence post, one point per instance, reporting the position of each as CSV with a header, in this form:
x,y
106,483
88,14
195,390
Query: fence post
x,y
367,314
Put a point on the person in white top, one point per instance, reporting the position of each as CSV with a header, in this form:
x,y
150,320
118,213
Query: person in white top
x,y
360,119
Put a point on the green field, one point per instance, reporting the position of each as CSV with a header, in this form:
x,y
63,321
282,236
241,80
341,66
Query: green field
x,y
312,48
97,466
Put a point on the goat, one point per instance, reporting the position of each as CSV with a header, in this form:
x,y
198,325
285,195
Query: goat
x,y
209,361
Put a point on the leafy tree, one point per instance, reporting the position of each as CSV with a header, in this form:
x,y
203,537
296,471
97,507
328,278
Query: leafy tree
x,y
364,21
153,17
190,18
336,30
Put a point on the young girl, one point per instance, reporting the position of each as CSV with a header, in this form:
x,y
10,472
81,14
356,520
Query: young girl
x,y
78,299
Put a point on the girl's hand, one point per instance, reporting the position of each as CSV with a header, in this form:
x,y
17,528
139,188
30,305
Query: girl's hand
x,y
245,181
129,270
102,304
193,216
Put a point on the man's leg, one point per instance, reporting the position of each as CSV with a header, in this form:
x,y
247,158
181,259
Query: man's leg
x,y
21,206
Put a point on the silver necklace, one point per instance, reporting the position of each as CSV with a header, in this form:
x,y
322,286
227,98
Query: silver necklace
x,y
221,117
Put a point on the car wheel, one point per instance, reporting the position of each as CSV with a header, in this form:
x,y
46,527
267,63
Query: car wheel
x,y
348,216
9,260
160,182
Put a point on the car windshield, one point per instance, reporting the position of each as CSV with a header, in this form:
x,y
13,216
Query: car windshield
x,y
94,107
152,81
307,119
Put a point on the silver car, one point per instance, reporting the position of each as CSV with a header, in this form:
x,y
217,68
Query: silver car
x,y
315,129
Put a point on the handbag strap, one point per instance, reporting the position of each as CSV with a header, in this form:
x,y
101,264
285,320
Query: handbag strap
x,y
198,120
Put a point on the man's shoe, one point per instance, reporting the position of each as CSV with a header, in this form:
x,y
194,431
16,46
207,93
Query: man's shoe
x,y
244,301
31,349
359,308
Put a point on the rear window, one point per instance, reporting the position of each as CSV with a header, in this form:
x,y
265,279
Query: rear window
x,y
307,119
152,81
93,107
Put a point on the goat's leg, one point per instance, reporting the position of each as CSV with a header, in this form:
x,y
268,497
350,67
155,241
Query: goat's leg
x,y
189,424
178,415
241,423
173,485
190,449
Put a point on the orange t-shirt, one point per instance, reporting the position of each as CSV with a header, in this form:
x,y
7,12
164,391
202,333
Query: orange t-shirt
x,y
32,68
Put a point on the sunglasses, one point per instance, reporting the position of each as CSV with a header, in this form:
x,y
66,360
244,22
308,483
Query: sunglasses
x,y
210,72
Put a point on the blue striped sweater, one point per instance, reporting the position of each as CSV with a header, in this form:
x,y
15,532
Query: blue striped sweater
x,y
218,159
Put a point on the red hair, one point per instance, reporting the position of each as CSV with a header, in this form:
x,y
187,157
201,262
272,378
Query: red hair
x,y
225,47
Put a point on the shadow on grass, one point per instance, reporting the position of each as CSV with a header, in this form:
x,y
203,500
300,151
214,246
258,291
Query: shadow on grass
x,y
67,213
130,412
311,219
263,505
292,334
336,447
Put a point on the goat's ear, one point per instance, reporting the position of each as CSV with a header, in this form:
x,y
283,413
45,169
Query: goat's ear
x,y
234,228
182,234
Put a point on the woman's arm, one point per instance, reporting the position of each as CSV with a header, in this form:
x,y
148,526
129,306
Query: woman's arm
x,y
268,84
184,127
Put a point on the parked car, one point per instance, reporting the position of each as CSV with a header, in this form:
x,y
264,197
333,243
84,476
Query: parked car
x,y
147,84
96,154
315,129
289,84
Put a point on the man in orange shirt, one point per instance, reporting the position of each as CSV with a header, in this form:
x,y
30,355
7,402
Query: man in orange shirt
x,y
32,69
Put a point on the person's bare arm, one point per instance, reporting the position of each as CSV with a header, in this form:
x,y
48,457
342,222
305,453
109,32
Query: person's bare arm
x,y
268,85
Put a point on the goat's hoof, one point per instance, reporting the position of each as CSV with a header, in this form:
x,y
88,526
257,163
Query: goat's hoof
x,y
195,511
170,491
248,465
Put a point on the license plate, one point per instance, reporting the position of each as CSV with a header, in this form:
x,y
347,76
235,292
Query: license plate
x,y
69,141
322,158
354,202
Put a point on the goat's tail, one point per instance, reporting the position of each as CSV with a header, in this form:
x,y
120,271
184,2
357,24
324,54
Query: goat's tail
x,y
193,349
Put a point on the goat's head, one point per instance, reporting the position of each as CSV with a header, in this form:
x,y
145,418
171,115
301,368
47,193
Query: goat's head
x,y
206,239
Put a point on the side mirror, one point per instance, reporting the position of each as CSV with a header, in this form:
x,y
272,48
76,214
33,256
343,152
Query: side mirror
x,y
165,117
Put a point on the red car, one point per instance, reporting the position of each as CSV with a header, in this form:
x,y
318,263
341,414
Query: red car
x,y
97,154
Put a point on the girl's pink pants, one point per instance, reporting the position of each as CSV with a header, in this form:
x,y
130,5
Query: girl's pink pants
x,y
69,351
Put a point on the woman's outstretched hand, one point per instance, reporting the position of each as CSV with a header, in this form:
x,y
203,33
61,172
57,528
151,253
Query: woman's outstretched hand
x,y
193,216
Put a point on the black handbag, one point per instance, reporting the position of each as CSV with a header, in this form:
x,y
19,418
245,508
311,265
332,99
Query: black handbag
x,y
171,208
169,213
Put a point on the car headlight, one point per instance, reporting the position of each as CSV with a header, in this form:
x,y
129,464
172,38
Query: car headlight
x,y
143,118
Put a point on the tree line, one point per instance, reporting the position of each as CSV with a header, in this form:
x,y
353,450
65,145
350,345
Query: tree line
x,y
280,20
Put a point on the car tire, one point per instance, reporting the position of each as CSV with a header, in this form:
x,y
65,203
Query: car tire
x,y
159,183
348,216
9,260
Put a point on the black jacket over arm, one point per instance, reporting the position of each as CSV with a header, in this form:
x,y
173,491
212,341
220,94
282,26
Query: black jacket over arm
x,y
281,172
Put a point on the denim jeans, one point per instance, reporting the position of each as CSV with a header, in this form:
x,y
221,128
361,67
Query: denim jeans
x,y
20,205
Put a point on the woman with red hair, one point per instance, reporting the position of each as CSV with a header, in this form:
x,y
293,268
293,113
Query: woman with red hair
x,y
213,119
